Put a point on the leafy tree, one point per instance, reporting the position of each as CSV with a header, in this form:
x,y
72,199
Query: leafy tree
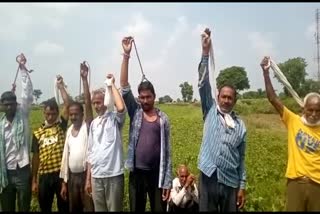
x,y
235,76
186,91
295,71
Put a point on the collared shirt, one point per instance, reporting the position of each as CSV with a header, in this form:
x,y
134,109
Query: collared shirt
x,y
136,115
105,150
183,197
222,148
15,157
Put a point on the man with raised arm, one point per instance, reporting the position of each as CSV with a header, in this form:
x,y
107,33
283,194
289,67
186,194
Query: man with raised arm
x,y
105,170
47,147
222,154
149,155
303,168
15,172
74,159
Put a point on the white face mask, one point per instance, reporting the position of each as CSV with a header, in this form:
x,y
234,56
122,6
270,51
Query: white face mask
x,y
305,122
227,118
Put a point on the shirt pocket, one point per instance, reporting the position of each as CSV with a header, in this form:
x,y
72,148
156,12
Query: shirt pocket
x,y
110,131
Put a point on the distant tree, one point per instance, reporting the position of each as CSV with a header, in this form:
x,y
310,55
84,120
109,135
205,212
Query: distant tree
x,y
165,99
186,91
235,76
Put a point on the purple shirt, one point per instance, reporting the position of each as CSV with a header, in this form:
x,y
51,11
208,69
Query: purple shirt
x,y
148,147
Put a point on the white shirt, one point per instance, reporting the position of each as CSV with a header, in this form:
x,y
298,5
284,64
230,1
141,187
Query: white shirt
x,y
76,154
180,195
13,156
105,152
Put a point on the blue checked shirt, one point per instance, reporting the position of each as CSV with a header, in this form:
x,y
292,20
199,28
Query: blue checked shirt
x,y
222,148
136,115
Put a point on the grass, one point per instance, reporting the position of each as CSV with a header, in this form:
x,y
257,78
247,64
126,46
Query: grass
x,y
266,153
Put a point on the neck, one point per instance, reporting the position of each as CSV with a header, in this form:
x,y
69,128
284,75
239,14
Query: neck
x,y
150,112
10,118
77,126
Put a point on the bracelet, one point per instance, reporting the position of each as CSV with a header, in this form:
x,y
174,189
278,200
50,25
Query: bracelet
x,y
127,55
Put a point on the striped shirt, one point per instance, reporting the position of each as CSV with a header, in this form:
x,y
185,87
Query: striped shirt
x,y
136,115
222,148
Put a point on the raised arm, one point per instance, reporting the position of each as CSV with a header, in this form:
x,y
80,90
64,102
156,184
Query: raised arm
x,y
87,97
203,70
272,97
27,88
65,97
127,95
118,101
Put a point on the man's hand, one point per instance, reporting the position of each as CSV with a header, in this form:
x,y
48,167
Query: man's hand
x,y
84,70
165,194
110,76
34,187
190,180
60,82
63,192
13,88
265,64
206,42
241,198
88,188
127,44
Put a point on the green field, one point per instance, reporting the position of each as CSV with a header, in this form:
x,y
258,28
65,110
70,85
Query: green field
x,y
265,159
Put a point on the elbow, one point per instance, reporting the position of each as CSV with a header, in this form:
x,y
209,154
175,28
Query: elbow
x,y
121,109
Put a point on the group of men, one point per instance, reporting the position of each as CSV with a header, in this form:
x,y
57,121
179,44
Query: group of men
x,y
83,164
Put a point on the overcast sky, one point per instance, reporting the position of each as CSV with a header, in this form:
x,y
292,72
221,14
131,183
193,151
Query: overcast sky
x,y
56,37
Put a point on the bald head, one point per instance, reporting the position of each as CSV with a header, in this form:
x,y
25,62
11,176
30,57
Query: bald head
x,y
311,97
183,173
311,108
183,169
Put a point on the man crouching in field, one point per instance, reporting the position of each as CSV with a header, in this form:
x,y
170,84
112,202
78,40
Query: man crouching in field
x,y
74,165
222,154
303,169
47,147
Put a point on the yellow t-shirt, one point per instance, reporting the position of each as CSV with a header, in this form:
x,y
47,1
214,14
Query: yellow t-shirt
x,y
303,147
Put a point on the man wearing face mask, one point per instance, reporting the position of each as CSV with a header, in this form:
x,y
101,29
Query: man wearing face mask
x,y
47,147
222,154
303,169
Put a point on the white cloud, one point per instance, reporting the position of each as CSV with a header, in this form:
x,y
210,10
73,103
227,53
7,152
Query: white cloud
x,y
262,43
139,27
48,48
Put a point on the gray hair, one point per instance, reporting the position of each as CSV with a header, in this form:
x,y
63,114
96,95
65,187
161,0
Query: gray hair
x,y
310,95
98,91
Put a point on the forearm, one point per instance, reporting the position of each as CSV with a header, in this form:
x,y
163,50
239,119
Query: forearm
x,y
271,94
87,101
269,88
118,100
124,71
204,86
88,177
35,166
66,102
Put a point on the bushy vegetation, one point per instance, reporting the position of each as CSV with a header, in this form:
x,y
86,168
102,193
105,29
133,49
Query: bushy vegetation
x,y
266,149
